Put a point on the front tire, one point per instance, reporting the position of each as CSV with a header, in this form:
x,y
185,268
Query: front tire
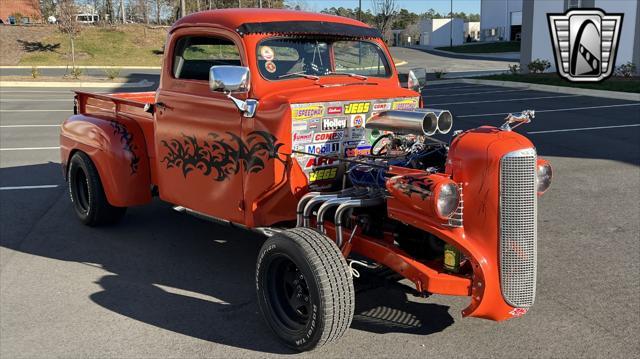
x,y
304,286
87,194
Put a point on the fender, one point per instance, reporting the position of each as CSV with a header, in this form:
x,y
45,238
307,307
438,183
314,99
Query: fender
x,y
117,149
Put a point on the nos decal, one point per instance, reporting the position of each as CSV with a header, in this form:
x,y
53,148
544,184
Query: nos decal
x,y
222,156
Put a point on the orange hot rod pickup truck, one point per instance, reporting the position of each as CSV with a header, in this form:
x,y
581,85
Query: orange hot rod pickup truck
x,y
295,125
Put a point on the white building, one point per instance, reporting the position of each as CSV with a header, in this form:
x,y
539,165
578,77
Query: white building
x,y
536,41
472,29
501,20
441,32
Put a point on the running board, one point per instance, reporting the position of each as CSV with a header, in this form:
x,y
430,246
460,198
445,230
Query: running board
x,y
265,231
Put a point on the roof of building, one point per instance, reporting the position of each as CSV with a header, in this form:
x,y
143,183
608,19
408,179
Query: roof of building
x,y
274,20
27,8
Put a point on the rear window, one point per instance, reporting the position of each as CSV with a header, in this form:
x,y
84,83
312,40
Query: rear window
x,y
194,56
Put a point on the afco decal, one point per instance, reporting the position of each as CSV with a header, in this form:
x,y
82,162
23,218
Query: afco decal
x,y
310,111
357,107
318,162
408,104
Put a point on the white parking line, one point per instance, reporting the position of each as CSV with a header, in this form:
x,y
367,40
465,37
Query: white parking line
x,y
36,110
453,88
28,187
475,93
35,100
583,129
555,110
29,148
20,126
506,100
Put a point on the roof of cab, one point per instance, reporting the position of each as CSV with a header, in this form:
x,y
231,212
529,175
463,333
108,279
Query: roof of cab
x,y
232,19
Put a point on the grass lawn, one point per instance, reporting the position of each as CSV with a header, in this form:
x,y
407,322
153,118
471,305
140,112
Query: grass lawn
x,y
504,46
130,45
611,84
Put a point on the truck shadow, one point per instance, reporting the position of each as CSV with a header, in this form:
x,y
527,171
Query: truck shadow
x,y
180,273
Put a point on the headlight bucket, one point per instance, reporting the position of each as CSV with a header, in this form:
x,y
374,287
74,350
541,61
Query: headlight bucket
x,y
544,175
447,198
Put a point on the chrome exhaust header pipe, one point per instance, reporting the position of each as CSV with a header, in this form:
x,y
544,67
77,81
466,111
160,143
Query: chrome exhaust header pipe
x,y
314,201
354,203
425,121
326,206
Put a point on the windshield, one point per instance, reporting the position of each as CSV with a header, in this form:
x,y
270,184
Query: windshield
x,y
283,58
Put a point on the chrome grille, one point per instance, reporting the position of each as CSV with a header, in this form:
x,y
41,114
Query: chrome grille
x,y
518,227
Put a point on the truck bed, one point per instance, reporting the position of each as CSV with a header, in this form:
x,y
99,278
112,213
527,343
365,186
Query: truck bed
x,y
122,107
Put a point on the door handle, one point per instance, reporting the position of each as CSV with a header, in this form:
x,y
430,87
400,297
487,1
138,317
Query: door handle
x,y
151,107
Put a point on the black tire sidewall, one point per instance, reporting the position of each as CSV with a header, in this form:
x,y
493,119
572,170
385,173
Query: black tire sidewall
x,y
308,336
78,163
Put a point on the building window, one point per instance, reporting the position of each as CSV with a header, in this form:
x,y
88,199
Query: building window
x,y
574,4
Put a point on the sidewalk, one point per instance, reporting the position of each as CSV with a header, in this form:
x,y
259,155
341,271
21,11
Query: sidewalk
x,y
492,56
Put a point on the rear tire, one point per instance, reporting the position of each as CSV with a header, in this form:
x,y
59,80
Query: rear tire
x,y
87,194
305,290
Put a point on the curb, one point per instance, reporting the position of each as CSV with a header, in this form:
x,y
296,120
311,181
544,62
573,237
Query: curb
x,y
629,96
143,83
85,67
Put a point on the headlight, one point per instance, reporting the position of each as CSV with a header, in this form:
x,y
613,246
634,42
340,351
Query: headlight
x,y
543,177
448,199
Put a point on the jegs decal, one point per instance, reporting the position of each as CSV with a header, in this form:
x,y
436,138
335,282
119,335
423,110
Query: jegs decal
x,y
357,107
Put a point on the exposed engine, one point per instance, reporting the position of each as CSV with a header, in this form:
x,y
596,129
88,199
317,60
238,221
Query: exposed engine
x,y
404,142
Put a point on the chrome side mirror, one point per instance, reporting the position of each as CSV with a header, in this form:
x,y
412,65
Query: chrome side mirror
x,y
230,79
417,79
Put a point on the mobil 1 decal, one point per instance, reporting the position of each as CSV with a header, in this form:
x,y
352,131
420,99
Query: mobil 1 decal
x,y
336,129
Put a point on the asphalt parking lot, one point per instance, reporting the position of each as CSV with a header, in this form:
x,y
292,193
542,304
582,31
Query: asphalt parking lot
x,y
163,284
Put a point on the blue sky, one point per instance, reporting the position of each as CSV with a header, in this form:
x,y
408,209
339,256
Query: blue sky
x,y
417,6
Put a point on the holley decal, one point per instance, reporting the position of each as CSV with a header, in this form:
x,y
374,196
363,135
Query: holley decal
x,y
334,123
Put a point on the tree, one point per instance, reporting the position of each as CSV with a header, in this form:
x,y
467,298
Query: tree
x,y
47,8
384,11
68,25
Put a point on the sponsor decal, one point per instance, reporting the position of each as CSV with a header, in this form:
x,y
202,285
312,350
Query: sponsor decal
x,y
307,112
334,110
302,137
334,123
323,174
518,312
357,120
323,148
364,150
408,104
318,162
585,42
267,53
356,133
356,107
328,136
381,106
270,67
298,127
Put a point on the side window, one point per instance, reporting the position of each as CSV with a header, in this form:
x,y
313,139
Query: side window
x,y
193,56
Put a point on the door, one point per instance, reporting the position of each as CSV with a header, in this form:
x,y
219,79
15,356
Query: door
x,y
197,131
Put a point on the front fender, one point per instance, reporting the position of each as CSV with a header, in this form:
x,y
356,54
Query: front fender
x,y
117,149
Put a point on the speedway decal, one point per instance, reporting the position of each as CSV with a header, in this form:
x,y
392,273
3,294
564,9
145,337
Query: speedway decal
x,y
335,129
